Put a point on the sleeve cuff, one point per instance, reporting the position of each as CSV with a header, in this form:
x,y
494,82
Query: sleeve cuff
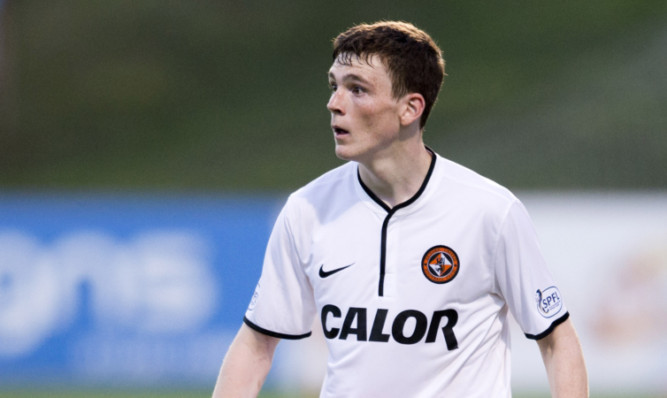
x,y
275,334
550,328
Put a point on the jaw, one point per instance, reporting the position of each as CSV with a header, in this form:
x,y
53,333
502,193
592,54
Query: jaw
x,y
344,152
359,150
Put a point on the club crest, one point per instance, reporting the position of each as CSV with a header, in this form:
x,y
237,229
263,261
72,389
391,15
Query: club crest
x,y
440,264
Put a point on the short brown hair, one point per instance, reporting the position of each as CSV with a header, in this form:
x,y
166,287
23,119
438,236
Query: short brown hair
x,y
413,59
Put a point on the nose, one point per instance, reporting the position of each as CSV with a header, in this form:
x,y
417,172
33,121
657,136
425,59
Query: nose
x,y
335,103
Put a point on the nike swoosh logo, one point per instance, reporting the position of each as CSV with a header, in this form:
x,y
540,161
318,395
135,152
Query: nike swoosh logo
x,y
326,274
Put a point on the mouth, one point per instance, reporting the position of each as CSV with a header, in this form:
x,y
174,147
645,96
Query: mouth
x,y
339,131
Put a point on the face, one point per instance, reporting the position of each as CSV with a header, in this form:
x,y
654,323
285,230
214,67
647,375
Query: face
x,y
364,113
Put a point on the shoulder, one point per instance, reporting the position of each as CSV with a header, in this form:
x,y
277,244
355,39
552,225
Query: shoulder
x,y
327,192
472,188
329,181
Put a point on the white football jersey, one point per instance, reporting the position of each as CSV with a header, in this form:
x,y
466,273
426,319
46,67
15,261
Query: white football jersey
x,y
413,300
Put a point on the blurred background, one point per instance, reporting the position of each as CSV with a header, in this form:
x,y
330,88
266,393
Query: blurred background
x,y
146,146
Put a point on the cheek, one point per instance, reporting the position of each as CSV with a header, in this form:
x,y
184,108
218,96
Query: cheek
x,y
381,119
367,117
372,115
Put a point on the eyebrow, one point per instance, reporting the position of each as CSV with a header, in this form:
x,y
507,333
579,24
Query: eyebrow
x,y
349,77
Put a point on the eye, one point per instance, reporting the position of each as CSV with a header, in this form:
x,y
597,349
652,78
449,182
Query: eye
x,y
357,89
333,86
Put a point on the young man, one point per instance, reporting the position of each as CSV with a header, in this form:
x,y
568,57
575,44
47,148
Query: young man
x,y
410,261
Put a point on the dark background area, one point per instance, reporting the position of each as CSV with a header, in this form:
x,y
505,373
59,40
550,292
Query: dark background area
x,y
230,96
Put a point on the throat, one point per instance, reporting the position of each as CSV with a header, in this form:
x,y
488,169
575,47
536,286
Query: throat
x,y
394,186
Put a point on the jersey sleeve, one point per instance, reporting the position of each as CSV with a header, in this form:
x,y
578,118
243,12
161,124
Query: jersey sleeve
x,y
523,278
282,304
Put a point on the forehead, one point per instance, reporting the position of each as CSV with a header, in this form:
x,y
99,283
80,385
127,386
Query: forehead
x,y
369,68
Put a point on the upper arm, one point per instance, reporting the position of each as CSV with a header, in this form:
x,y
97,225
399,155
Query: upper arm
x,y
283,304
246,364
522,275
561,337
564,362
260,344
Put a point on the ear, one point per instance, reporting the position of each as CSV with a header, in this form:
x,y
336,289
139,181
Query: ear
x,y
413,107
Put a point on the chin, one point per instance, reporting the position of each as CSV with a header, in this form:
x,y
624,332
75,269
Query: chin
x,y
344,153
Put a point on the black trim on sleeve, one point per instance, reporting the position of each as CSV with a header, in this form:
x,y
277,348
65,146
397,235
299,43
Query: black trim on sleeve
x,y
274,334
550,329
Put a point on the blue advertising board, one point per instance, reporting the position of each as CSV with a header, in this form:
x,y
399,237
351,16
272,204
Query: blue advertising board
x,y
100,289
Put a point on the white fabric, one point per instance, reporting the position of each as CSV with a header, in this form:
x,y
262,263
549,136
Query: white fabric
x,y
334,222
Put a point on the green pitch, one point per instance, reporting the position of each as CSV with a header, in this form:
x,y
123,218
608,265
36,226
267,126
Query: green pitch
x,y
195,394
121,394
103,394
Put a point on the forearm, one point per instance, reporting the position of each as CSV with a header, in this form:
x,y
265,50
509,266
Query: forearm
x,y
246,365
564,362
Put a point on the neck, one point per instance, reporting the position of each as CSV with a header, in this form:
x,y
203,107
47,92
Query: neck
x,y
397,178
